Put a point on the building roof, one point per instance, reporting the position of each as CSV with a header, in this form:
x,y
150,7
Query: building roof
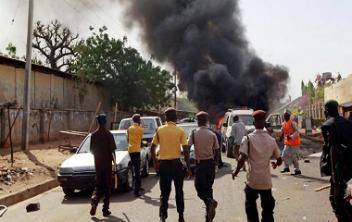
x,y
4,60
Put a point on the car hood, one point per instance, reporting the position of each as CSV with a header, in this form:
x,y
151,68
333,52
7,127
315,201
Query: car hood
x,y
85,161
148,135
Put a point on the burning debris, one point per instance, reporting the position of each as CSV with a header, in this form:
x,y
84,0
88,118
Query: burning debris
x,y
204,40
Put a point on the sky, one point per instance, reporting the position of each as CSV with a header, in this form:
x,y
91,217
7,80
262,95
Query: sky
x,y
306,36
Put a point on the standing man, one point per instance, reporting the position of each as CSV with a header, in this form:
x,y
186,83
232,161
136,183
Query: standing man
x,y
134,138
258,148
170,138
337,158
238,131
292,143
206,149
102,146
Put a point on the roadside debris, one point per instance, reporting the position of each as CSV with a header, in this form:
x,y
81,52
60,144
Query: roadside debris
x,y
3,209
10,176
322,188
33,207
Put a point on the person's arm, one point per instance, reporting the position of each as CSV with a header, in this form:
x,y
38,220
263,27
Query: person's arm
x,y
241,161
216,148
155,142
295,133
186,148
113,148
276,155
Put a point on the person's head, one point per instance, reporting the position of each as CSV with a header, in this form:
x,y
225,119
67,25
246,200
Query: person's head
x,y
331,108
101,119
171,115
287,115
136,118
236,118
202,118
259,119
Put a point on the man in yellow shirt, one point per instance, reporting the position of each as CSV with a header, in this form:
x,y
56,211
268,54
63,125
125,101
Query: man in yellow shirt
x,y
170,138
134,138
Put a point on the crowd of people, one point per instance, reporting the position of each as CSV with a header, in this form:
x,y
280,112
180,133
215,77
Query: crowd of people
x,y
258,149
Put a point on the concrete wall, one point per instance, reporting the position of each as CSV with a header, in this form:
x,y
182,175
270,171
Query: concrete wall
x,y
341,91
50,91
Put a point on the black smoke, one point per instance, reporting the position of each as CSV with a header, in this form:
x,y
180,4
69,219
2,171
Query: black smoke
x,y
204,40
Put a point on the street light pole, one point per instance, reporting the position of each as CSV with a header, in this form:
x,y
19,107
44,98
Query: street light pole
x,y
27,85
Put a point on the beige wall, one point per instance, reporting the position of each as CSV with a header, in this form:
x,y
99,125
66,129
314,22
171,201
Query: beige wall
x,y
341,91
49,91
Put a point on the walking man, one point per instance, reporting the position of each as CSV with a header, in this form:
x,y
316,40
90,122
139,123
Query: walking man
x,y
170,138
258,148
134,138
337,158
238,131
292,143
206,149
102,146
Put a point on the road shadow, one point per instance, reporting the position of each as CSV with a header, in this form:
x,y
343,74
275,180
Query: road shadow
x,y
223,171
309,179
110,218
34,159
116,196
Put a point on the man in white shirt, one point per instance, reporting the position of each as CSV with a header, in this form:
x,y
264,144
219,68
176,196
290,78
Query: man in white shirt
x,y
238,131
258,148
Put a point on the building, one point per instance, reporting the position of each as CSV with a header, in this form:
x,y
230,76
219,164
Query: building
x,y
342,93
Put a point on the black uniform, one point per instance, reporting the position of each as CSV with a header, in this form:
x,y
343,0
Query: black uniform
x,y
102,146
337,133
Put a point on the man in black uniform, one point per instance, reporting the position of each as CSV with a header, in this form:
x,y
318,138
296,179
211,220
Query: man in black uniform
x,y
336,159
102,146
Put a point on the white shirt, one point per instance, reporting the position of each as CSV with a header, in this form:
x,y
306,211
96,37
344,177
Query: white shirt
x,y
262,148
238,131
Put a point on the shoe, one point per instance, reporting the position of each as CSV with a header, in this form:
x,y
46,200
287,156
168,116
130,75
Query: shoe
x,y
93,210
162,219
106,213
212,210
181,218
137,194
297,172
141,189
285,170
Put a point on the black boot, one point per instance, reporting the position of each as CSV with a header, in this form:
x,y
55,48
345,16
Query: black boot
x,y
181,218
285,170
297,172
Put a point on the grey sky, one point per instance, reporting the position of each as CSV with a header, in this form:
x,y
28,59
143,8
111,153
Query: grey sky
x,y
308,37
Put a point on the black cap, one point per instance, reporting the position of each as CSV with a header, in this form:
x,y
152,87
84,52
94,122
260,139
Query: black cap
x,y
101,118
170,110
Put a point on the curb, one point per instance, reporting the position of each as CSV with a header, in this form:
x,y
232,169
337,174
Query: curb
x,y
25,194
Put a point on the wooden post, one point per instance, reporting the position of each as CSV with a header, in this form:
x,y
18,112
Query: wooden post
x,y
10,134
96,112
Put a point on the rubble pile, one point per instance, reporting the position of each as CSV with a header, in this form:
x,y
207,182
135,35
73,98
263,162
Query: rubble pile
x,y
9,176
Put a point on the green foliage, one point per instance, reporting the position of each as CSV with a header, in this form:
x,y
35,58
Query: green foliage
x,y
11,49
133,83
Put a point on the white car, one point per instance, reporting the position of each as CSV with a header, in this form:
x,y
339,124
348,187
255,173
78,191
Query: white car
x,y
245,116
78,171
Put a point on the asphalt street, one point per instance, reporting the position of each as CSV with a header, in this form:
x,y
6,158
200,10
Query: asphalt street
x,y
295,197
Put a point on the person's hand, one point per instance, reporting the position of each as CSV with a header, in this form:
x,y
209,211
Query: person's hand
x,y
156,165
234,174
274,165
189,173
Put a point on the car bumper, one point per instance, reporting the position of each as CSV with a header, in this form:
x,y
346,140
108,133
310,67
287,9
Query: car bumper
x,y
82,181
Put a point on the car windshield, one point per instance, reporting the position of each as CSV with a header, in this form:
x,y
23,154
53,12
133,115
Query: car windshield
x,y
245,119
188,129
147,123
120,141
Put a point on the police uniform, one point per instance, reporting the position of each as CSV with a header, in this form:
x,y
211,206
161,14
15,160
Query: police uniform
x,y
135,135
205,145
170,138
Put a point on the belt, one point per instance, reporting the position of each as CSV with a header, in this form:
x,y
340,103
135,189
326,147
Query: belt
x,y
204,161
172,160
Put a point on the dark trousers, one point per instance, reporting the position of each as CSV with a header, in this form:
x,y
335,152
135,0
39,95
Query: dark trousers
x,y
204,180
102,187
171,170
341,207
267,203
136,164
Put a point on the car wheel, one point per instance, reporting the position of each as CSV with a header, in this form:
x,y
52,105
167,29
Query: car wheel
x,y
145,171
68,191
127,186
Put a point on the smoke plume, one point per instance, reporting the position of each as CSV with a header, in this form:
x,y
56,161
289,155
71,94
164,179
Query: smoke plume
x,y
204,40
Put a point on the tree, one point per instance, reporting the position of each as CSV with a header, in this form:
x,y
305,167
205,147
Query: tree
x,y
11,49
303,88
133,83
55,43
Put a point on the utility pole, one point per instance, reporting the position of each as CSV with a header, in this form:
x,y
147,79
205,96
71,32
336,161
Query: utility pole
x,y
27,81
175,92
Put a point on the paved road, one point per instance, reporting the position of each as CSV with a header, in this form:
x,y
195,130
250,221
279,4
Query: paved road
x,y
296,201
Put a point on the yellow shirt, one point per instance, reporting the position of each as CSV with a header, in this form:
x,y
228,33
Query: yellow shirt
x,y
135,135
170,138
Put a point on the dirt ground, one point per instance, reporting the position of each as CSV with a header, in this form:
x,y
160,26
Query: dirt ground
x,y
39,163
